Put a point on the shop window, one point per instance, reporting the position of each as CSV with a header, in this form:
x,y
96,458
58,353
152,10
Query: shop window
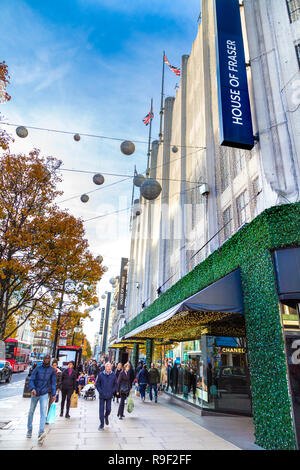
x,y
210,376
293,9
290,316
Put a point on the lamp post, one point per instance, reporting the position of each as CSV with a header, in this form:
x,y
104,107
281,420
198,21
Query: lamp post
x,y
76,330
58,320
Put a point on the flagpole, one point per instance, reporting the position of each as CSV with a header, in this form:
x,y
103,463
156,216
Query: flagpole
x,y
149,140
162,98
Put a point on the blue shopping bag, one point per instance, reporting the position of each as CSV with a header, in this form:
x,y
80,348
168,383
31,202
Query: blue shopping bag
x,y
51,414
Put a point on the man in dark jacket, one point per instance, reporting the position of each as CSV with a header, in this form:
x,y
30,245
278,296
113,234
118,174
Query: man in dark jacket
x,y
93,369
106,385
154,379
41,381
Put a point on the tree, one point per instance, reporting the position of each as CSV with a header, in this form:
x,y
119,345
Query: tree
x,y
5,138
45,263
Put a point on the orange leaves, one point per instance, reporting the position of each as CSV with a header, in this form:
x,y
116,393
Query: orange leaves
x,y
43,252
5,138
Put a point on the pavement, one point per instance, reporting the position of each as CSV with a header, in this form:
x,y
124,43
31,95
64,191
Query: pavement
x,y
151,426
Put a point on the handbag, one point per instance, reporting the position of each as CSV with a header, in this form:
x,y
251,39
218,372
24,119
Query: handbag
x,y
137,392
51,414
74,400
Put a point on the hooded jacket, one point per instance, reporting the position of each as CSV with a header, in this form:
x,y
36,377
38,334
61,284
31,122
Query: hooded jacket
x,y
42,380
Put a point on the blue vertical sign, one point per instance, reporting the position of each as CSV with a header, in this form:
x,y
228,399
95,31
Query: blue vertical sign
x,y
234,105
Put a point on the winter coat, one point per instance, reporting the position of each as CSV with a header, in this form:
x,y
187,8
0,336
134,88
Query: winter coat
x,y
124,383
153,376
143,377
69,381
106,384
93,370
58,379
42,380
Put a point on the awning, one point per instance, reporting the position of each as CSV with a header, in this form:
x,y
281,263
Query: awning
x,y
287,267
223,296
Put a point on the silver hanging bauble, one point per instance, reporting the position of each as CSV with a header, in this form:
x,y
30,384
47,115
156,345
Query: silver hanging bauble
x,y
99,258
105,269
103,296
98,179
127,147
113,281
84,198
150,189
174,149
138,180
77,137
22,132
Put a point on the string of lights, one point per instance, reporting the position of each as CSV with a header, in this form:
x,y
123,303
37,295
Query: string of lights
x,y
126,176
94,190
98,136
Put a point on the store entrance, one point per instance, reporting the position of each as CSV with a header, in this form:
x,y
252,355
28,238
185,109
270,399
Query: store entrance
x,y
290,319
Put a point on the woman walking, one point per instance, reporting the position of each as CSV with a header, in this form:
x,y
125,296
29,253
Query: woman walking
x,y
123,388
69,378
143,380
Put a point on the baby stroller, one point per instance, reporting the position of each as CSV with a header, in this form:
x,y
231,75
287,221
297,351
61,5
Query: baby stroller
x,y
89,391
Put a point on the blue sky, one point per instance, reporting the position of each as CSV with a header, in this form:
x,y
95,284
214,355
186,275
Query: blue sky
x,y
92,66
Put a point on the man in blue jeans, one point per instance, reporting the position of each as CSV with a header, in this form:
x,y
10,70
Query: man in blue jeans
x,y
106,385
42,380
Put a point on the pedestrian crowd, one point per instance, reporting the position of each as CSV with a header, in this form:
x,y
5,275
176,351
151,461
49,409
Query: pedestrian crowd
x,y
113,382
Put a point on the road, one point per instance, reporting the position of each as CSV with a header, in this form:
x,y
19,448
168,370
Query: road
x,y
15,387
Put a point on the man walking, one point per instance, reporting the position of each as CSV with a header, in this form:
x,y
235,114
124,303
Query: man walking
x,y
93,369
42,379
106,385
153,381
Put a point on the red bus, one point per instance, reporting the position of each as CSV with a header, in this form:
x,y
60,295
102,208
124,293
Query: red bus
x,y
17,354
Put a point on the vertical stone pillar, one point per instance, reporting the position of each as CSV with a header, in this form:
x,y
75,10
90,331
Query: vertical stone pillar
x,y
149,351
135,356
183,90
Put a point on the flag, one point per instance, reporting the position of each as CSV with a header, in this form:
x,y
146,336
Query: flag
x,y
176,70
148,118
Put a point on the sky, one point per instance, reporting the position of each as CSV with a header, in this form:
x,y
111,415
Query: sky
x,y
92,67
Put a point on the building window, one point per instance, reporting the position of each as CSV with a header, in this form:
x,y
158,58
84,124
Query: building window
x,y
242,203
293,9
239,161
227,222
298,53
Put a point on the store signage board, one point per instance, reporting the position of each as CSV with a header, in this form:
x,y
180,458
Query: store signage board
x,y
233,94
122,285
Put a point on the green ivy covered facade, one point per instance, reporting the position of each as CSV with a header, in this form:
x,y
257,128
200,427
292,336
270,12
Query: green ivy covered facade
x,y
250,249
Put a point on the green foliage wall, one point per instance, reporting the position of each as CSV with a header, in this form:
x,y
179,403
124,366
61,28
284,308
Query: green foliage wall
x,y
250,250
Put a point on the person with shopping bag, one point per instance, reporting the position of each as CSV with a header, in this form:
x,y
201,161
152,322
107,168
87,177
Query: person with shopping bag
x,y
41,380
123,388
58,376
106,385
68,387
